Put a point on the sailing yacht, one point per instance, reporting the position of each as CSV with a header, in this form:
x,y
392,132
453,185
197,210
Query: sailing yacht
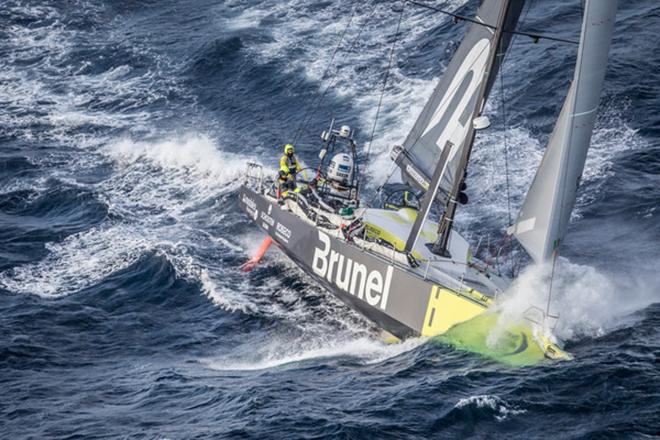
x,y
412,276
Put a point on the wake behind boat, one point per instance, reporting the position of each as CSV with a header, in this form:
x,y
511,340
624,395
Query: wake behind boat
x,y
409,275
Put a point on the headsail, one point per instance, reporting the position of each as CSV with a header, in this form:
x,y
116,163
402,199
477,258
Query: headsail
x,y
542,221
447,115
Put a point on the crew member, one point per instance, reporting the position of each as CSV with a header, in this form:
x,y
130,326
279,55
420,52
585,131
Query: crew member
x,y
289,167
410,200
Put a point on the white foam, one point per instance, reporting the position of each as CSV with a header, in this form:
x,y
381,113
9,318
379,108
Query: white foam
x,y
499,406
233,297
64,99
246,19
290,353
77,262
153,184
172,178
194,153
612,136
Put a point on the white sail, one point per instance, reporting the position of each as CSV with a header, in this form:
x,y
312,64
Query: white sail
x,y
542,221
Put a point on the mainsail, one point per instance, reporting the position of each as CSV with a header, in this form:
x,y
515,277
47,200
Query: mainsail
x,y
463,99
542,221
447,116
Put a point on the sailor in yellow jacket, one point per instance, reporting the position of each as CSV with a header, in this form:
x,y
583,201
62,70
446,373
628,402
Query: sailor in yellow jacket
x,y
289,167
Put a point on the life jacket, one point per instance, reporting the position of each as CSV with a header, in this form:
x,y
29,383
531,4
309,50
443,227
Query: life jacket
x,y
289,164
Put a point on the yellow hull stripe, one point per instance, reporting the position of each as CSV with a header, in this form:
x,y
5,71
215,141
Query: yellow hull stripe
x,y
445,309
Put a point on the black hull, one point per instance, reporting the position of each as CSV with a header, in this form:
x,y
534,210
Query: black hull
x,y
395,299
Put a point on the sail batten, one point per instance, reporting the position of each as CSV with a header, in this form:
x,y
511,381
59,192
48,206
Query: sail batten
x,y
545,213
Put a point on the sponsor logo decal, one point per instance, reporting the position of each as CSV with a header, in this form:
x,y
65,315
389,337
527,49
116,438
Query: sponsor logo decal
x,y
267,220
351,276
250,206
283,232
415,175
448,122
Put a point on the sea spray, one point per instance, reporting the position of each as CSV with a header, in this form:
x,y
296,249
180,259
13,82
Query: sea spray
x,y
587,302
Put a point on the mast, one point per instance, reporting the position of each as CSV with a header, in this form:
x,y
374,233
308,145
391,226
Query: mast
x,y
440,247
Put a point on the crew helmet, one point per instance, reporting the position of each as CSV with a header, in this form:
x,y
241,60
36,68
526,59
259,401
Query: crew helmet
x,y
341,168
289,147
345,131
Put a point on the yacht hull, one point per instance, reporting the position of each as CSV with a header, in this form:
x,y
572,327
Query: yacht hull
x,y
382,290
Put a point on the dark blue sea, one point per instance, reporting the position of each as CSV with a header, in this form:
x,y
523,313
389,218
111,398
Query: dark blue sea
x,y
125,126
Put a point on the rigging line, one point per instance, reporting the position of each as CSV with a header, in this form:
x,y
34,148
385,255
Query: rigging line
x,y
552,277
535,36
507,238
380,187
564,173
387,74
506,144
327,68
319,100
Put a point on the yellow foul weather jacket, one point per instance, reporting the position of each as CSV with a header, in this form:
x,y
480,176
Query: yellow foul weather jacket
x,y
289,164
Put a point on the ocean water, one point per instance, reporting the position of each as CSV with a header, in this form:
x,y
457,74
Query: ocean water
x,y
124,130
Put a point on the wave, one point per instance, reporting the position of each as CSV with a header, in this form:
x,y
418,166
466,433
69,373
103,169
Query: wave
x,y
156,194
55,88
301,352
488,405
